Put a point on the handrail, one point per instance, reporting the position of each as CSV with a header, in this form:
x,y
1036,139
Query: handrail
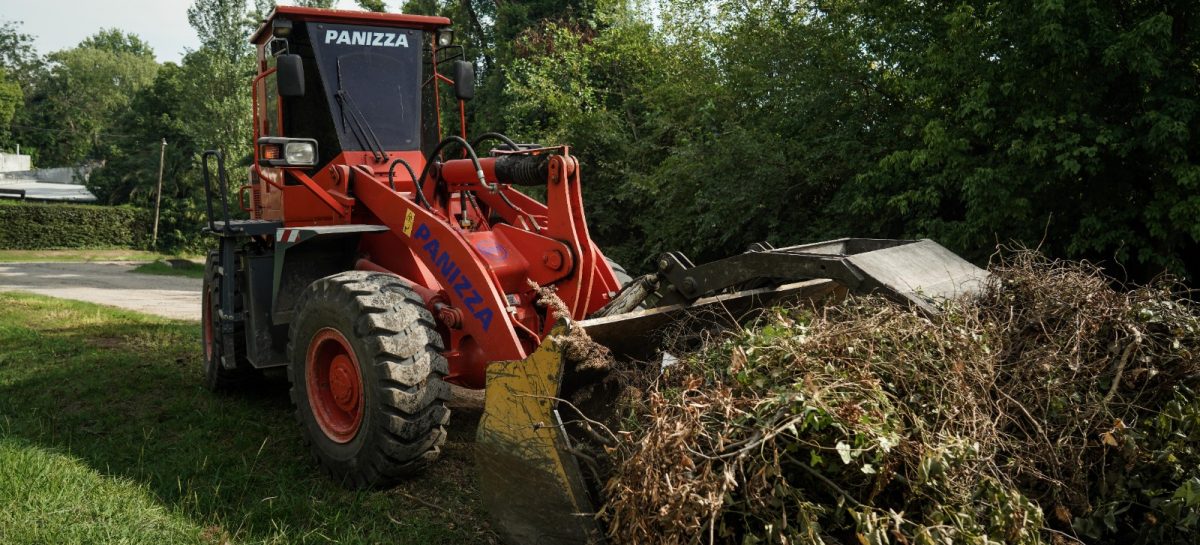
x,y
208,192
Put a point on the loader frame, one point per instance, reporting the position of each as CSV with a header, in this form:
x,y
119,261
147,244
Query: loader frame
x,y
470,254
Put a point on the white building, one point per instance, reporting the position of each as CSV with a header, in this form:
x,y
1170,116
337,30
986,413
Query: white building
x,y
19,181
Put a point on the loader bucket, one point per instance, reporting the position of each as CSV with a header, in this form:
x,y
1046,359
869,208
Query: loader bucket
x,y
531,480
531,483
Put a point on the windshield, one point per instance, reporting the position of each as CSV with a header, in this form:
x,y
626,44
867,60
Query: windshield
x,y
372,80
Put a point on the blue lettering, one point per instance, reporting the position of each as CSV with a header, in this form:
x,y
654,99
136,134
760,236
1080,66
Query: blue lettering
x,y
432,248
449,268
445,264
461,287
473,300
485,317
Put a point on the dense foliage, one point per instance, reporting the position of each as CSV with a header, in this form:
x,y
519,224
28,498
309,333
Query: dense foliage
x,y
704,126
33,226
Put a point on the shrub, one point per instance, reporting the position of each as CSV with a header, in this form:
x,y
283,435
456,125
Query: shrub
x,y
37,226
1050,409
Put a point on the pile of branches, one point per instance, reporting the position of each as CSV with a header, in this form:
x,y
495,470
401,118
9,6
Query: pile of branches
x,y
1051,408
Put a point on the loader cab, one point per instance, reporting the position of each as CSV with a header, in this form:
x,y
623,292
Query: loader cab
x,y
352,81
365,92
365,87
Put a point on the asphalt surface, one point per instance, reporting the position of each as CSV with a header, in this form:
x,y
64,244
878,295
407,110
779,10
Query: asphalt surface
x,y
114,284
107,283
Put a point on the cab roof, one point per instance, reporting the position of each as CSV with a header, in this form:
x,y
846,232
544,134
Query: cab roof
x,y
297,13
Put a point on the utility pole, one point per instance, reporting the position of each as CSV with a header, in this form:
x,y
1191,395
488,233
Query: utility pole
x,y
162,152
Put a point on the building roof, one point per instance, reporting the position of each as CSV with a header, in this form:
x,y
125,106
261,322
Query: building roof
x,y
44,191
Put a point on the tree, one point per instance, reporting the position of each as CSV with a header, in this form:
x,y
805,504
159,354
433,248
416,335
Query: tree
x,y
372,5
158,112
1073,124
199,105
10,99
82,93
116,41
490,30
20,66
17,55
217,77
1070,124
717,127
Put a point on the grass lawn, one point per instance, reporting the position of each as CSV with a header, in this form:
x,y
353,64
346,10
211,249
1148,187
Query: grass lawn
x,y
106,436
159,266
116,254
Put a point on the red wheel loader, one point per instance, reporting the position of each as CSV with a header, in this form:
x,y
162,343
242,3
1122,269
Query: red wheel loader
x,y
384,259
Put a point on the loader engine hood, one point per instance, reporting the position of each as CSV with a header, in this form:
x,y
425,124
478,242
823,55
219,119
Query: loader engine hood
x,y
372,79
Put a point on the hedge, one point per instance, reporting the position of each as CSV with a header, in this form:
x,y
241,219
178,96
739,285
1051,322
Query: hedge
x,y
38,226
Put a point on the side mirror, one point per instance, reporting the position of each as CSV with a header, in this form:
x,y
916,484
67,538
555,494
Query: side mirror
x,y
289,75
464,80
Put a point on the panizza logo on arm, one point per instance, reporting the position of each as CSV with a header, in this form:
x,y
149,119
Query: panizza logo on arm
x,y
455,279
366,37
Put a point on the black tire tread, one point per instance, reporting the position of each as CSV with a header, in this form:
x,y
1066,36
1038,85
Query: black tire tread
x,y
217,378
404,349
623,278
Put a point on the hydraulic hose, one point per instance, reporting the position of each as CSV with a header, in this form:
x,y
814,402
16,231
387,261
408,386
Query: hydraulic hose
x,y
411,175
495,136
437,149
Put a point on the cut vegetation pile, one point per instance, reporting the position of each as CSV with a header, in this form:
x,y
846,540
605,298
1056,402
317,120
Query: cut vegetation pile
x,y
1050,409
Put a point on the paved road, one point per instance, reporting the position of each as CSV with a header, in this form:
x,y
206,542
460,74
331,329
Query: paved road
x,y
113,284
108,284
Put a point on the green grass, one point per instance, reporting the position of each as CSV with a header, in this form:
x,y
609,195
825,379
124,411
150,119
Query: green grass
x,y
112,254
160,267
106,436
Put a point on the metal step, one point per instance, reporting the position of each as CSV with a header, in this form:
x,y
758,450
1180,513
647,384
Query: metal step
x,y
248,227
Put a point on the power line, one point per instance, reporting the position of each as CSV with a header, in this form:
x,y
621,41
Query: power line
x,y
46,129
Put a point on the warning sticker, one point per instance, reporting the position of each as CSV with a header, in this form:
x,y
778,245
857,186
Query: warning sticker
x,y
409,216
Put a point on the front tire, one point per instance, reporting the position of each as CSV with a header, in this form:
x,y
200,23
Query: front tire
x,y
366,373
623,278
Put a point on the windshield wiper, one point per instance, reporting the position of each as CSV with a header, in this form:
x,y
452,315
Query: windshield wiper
x,y
360,127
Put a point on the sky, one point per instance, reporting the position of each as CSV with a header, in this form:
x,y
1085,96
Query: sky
x,y
62,24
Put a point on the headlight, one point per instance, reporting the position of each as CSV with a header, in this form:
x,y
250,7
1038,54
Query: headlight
x,y
445,37
274,151
300,153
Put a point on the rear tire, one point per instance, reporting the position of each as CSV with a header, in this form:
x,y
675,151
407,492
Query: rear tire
x,y
366,373
623,278
217,377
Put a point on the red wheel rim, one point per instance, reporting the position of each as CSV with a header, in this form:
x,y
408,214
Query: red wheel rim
x,y
334,385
